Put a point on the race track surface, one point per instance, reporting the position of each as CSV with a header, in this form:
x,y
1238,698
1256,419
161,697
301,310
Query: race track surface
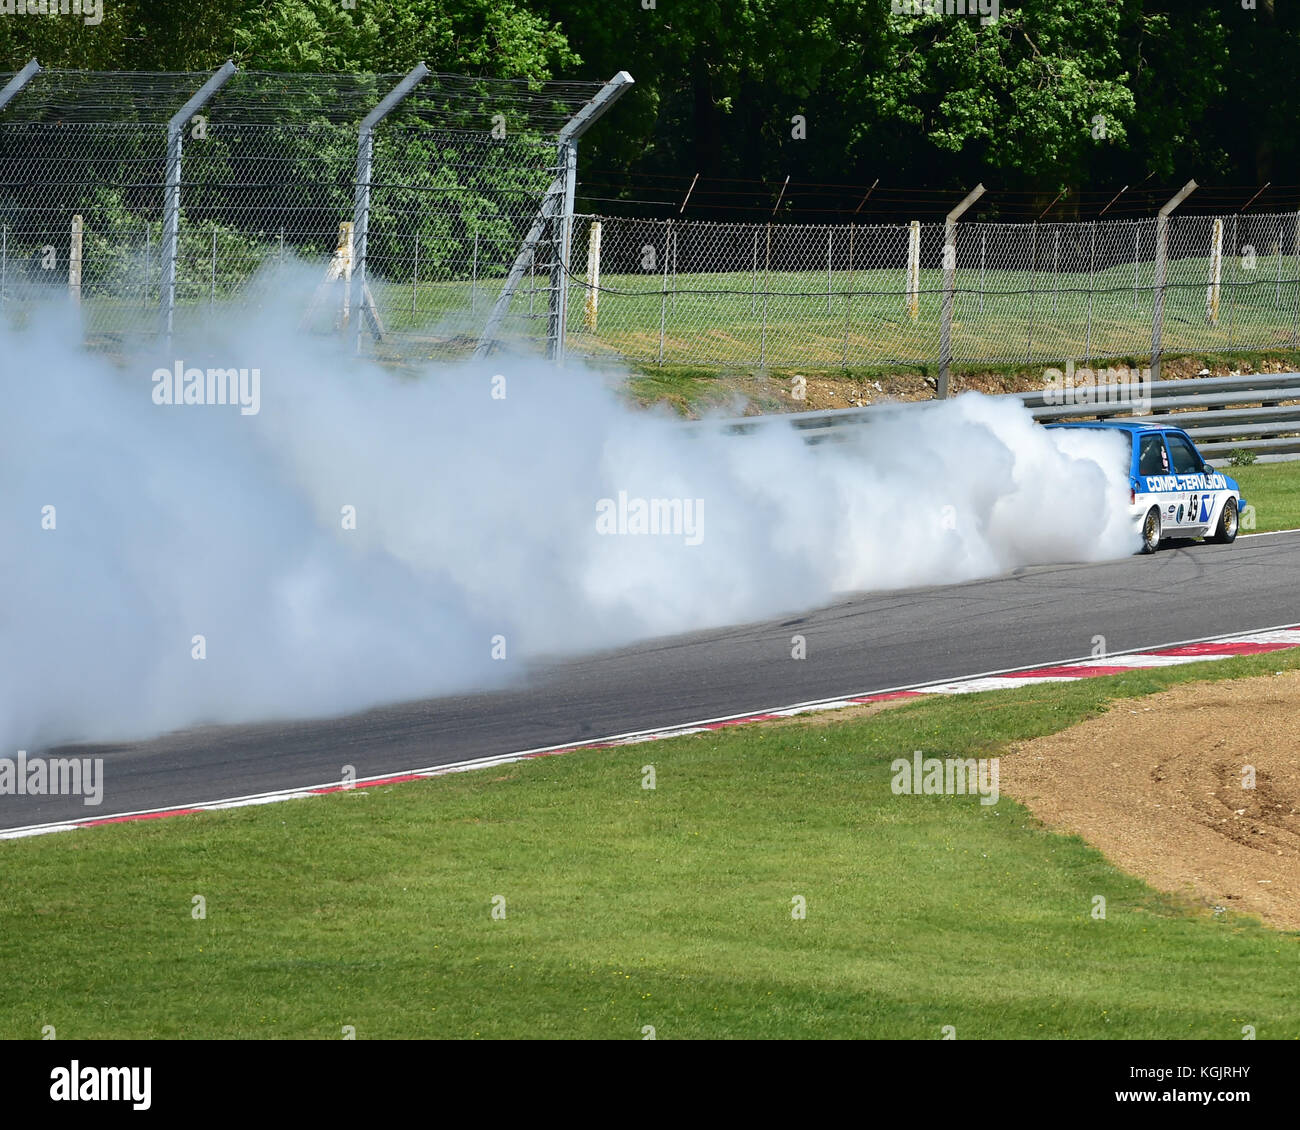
x,y
863,643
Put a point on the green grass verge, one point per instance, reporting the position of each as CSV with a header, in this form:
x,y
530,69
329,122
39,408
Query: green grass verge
x,y
693,389
628,907
1273,489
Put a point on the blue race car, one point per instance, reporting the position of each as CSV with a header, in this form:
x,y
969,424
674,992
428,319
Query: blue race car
x,y
1173,492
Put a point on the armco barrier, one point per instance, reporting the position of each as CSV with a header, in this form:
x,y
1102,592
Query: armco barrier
x,y
1254,412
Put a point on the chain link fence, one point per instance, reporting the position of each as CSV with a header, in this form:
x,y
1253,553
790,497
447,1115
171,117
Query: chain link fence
x,y
436,213
670,291
413,242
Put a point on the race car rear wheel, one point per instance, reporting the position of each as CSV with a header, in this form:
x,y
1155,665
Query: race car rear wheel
x,y
1151,530
1226,532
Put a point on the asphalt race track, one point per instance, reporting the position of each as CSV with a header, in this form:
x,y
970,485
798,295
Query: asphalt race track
x,y
863,643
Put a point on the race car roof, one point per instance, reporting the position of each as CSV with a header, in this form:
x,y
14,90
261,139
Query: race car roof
x,y
1119,425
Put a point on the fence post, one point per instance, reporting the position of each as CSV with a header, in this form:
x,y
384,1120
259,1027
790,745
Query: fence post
x,y
949,275
830,234
984,243
1092,274
1277,291
1033,288
1232,287
767,286
74,261
558,197
1216,272
11,90
172,191
1137,235
848,300
212,290
415,276
15,85
591,308
912,298
1056,271
1295,253
361,208
674,270
473,277
568,146
1162,256
753,289
663,289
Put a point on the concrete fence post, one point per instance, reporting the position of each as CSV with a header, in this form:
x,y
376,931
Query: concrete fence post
x,y
74,261
1162,262
949,276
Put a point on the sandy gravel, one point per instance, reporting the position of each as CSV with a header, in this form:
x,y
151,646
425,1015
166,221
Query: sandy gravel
x,y
1157,785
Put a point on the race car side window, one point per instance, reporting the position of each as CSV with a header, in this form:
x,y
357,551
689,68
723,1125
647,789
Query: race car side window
x,y
1152,459
1186,461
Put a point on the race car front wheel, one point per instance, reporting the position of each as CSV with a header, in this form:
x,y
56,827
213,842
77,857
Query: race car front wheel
x,y
1151,531
1226,531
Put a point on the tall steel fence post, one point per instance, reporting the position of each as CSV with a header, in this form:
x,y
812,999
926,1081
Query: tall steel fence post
x,y
11,91
1162,260
562,227
557,198
568,153
15,85
172,192
358,287
949,275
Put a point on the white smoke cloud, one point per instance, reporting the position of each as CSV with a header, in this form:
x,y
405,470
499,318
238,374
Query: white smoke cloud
x,y
476,517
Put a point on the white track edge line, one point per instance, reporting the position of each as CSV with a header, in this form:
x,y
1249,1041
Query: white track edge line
x,y
628,738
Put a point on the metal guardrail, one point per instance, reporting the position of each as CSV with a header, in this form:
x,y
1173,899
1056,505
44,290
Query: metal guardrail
x,y
1254,412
